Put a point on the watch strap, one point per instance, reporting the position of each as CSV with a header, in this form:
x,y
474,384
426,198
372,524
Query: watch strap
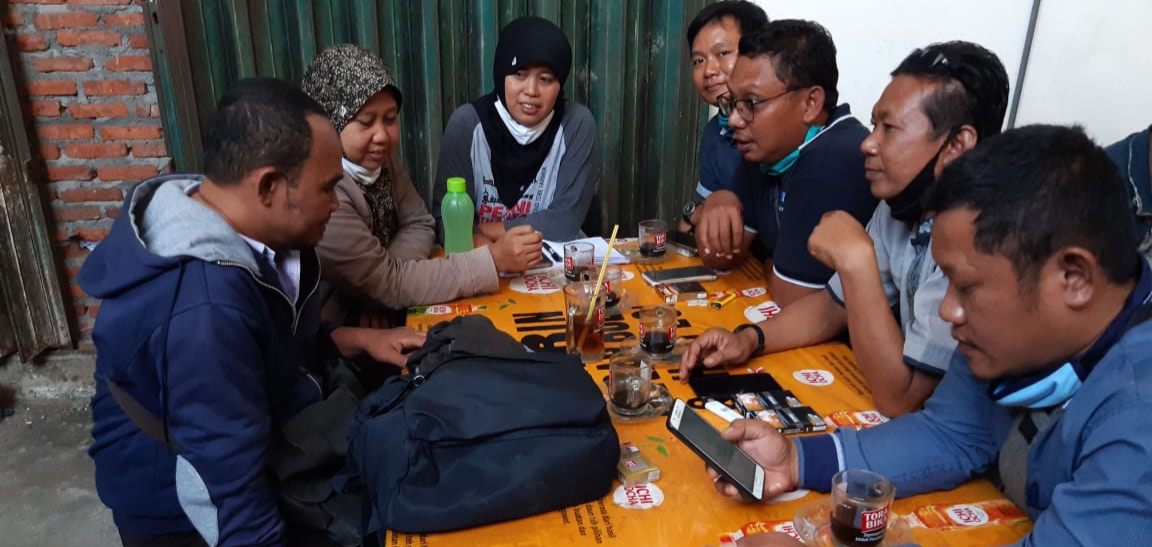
x,y
759,336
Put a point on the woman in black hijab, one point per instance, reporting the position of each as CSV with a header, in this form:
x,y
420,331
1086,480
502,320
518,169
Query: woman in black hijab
x,y
529,156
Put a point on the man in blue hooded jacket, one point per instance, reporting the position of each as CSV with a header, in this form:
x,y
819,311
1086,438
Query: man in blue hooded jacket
x,y
209,335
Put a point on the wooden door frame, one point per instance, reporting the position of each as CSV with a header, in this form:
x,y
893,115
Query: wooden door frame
x,y
32,310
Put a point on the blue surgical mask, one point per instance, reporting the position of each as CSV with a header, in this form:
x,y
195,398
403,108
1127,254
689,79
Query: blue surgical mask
x,y
724,127
786,163
1051,390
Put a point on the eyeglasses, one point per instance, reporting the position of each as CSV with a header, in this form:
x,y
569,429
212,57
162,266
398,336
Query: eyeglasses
x,y
746,108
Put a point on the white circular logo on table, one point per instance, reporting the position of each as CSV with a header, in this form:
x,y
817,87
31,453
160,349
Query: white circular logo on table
x,y
534,284
813,377
626,275
967,515
641,496
760,312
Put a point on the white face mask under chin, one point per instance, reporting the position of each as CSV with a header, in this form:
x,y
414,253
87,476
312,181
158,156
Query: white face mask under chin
x,y
522,133
359,173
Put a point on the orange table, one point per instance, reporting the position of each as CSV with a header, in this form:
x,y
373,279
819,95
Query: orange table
x,y
691,513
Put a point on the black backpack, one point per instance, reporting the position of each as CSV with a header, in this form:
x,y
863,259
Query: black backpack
x,y
479,431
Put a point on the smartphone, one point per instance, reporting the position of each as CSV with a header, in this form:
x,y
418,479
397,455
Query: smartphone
x,y
683,243
544,265
677,275
731,462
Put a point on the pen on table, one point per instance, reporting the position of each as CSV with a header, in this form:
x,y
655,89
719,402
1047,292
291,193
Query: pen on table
x,y
552,253
717,304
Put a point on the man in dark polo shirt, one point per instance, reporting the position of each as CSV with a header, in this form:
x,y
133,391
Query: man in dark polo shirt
x,y
782,107
714,36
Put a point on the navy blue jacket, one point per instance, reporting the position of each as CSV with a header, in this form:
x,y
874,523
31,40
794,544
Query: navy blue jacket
x,y
195,327
1130,155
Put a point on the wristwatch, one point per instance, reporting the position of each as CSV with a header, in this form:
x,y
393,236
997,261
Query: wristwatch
x,y
759,336
686,213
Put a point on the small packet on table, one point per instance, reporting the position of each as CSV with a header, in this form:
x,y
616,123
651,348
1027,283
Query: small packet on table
x,y
634,468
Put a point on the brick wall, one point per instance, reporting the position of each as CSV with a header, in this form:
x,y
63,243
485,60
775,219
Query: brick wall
x,y
90,98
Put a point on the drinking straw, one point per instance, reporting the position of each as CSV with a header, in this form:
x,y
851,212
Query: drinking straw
x,y
600,278
596,289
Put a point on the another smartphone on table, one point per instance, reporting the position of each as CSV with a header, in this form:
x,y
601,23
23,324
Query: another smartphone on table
x,y
726,458
543,266
676,275
683,243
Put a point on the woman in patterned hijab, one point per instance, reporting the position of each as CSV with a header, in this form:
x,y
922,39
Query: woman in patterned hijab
x,y
376,247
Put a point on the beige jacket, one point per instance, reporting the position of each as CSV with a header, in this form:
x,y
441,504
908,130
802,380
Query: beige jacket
x,y
401,275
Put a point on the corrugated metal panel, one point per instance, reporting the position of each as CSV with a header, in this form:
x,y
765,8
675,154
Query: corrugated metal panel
x,y
630,67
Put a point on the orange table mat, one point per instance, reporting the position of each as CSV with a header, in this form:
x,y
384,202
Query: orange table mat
x,y
691,512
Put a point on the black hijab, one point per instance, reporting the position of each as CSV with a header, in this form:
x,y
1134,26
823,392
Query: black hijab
x,y
524,42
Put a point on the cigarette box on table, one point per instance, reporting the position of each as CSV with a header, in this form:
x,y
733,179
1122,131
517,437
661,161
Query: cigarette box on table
x,y
634,468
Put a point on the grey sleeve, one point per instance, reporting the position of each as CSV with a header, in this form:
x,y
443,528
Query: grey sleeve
x,y
576,183
928,342
455,159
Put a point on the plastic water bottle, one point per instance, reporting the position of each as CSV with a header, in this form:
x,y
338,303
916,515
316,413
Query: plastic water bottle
x,y
457,212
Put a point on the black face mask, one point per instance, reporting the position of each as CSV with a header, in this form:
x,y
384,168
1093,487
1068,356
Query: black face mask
x,y
907,206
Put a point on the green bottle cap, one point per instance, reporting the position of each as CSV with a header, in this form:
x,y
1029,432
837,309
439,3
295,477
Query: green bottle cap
x,y
457,184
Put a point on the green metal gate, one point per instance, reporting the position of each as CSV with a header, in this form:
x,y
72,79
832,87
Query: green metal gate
x,y
630,68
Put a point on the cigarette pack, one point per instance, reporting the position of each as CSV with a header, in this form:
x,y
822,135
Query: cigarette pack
x,y
812,420
781,398
681,292
749,403
634,468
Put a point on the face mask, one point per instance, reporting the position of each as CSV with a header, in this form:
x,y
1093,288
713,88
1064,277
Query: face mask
x,y
1046,389
724,127
786,163
906,206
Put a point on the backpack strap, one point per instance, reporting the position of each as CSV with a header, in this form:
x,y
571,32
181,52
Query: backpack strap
x,y
144,419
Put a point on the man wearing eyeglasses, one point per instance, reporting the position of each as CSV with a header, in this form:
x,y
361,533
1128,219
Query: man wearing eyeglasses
x,y
782,108
942,100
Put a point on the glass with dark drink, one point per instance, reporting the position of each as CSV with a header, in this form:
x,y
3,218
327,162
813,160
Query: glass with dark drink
x,y
653,238
613,276
658,329
584,335
629,382
578,259
860,503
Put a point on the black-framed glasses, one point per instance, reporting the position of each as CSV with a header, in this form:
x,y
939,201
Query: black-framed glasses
x,y
746,108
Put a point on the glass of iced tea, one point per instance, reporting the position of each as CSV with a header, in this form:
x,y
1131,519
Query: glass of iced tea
x,y
584,335
860,503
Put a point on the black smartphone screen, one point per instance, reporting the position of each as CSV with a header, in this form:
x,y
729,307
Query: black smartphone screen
x,y
724,456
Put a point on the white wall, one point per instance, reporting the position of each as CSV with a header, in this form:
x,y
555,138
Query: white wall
x,y
1087,65
1091,64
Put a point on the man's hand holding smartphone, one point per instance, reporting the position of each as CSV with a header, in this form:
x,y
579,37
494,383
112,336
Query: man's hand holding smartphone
x,y
776,454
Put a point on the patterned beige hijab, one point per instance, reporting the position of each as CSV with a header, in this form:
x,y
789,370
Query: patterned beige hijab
x,y
342,78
